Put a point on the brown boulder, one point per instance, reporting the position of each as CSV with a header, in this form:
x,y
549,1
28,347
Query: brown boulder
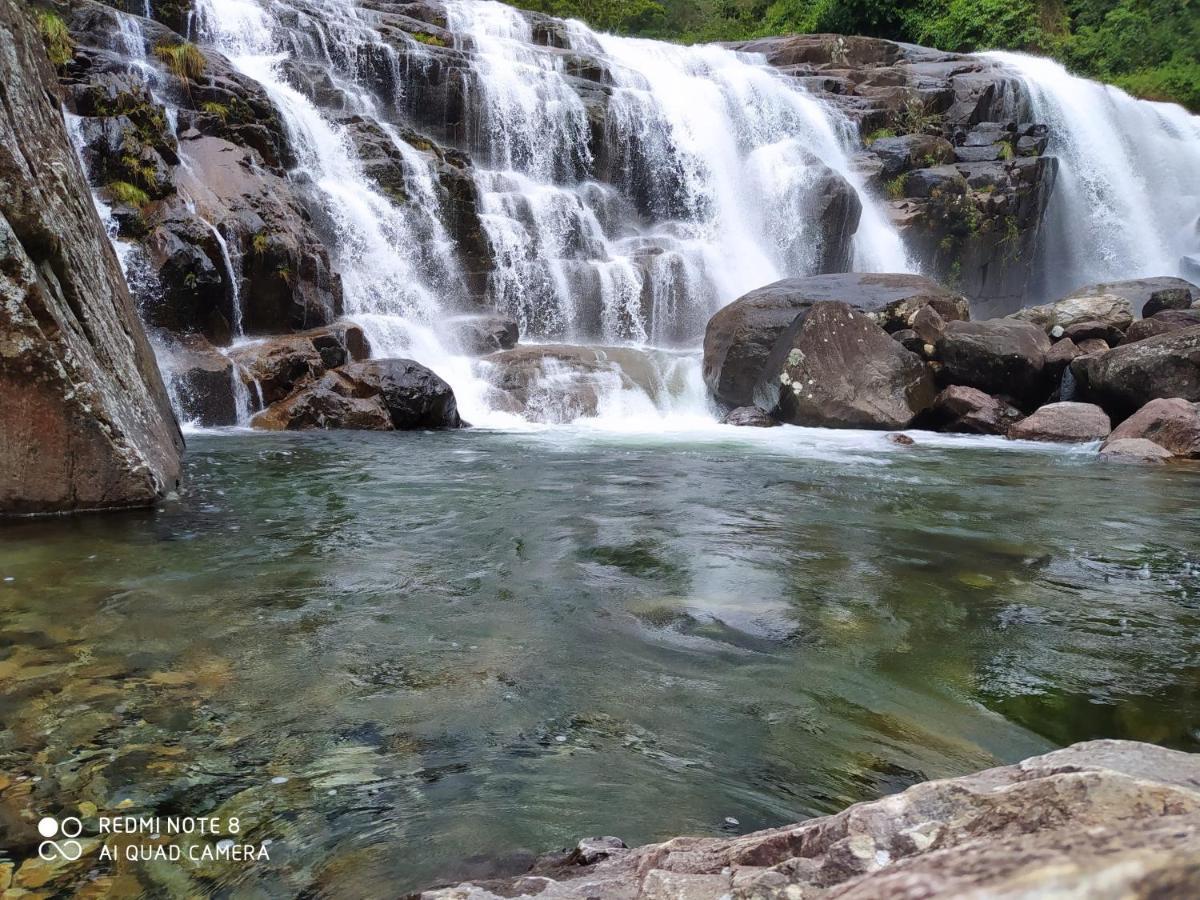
x,y
1068,423
1134,450
85,422
998,356
835,368
1126,378
325,405
1059,357
741,336
1173,424
966,410
1162,323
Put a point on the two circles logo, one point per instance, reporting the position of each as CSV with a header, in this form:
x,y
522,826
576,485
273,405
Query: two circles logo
x,y
68,829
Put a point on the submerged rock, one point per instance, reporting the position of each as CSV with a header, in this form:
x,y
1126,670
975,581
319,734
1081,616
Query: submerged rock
x,y
749,417
1068,423
1102,818
835,368
84,414
1173,424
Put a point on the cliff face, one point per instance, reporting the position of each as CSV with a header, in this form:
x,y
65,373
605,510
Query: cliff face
x,y
85,422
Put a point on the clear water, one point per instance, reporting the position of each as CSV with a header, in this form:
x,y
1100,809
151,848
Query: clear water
x,y
483,644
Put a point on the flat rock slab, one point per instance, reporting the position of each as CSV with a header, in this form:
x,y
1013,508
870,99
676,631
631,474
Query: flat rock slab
x,y
1102,818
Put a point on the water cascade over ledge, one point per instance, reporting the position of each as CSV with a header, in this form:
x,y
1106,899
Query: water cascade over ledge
x,y
1127,201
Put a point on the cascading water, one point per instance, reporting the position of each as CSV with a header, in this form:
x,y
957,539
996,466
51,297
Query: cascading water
x,y
1128,192
712,183
714,170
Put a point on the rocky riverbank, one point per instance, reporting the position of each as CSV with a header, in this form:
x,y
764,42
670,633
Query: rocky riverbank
x,y
1097,819
900,351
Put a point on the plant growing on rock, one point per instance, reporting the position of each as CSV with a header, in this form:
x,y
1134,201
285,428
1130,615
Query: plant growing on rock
x,y
184,61
129,194
219,110
60,47
430,40
895,187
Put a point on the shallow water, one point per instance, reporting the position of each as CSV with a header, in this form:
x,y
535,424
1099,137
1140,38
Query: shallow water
x,y
478,645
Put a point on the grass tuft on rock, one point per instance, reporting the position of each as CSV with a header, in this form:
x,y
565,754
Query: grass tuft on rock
x,y
129,194
185,61
60,47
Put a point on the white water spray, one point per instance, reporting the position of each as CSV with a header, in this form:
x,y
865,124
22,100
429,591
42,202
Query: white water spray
x,y
1128,192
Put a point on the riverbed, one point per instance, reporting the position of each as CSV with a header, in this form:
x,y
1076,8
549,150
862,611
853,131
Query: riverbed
x,y
407,657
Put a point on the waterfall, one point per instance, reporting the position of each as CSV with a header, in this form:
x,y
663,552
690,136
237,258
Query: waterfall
x,y
1128,192
710,187
711,182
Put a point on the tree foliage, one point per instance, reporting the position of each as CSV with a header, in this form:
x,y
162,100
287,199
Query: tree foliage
x,y
1149,47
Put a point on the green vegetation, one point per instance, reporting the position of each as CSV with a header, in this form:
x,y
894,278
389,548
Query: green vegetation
x,y
878,134
220,110
60,48
1149,47
895,188
259,243
431,40
185,61
129,194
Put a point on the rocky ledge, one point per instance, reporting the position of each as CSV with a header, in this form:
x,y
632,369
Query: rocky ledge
x,y
899,351
1098,819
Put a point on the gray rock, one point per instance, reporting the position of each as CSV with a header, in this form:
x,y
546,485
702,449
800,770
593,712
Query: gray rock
x,y
1111,310
83,409
835,368
202,380
483,334
1067,423
1157,293
1098,819
911,151
749,417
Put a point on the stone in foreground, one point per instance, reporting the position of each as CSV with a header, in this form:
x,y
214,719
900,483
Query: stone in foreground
x,y
1134,450
1173,424
1098,819
966,410
84,416
1065,423
835,368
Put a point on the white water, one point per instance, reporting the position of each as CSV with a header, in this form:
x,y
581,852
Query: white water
x,y
1128,192
731,152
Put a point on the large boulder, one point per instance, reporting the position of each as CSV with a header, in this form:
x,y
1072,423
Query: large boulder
x,y
378,395
1004,357
1098,819
202,382
1162,323
1109,310
966,410
1065,423
1145,296
483,334
1126,378
742,335
275,367
84,415
1173,424
836,368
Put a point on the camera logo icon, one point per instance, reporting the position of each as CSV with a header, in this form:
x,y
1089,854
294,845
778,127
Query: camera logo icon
x,y
68,829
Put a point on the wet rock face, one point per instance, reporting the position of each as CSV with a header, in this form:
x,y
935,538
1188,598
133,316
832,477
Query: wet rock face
x,y
1098,818
835,368
378,395
741,336
83,410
